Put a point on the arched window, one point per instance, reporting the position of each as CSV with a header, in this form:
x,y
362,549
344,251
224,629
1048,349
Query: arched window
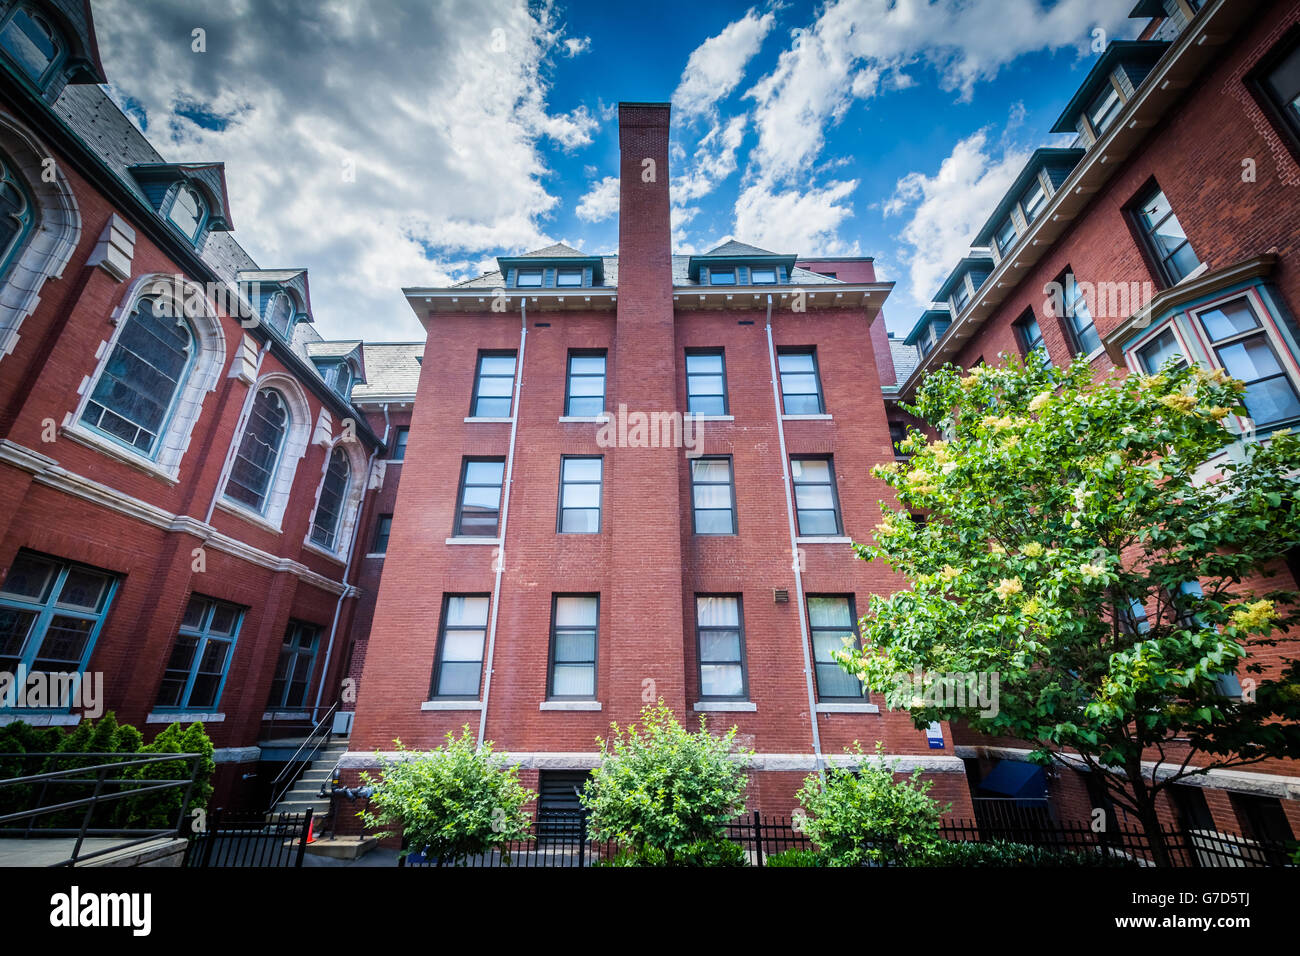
x,y
32,43
16,216
333,494
188,212
137,389
279,314
253,472
343,380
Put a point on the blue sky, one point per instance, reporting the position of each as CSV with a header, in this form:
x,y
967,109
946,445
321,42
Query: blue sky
x,y
383,144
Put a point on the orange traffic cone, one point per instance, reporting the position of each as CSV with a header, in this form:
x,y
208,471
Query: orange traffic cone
x,y
311,830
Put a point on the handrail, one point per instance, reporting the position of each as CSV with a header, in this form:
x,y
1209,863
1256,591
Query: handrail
x,y
289,766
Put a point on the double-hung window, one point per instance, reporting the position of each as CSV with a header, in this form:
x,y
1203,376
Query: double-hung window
x,y
458,667
1031,338
494,385
1006,235
801,387
713,496
479,513
1105,107
580,493
200,658
1160,349
1084,330
720,639
572,670
832,621
584,392
51,612
706,382
1164,236
1244,349
816,502
383,528
293,670
1275,83
400,438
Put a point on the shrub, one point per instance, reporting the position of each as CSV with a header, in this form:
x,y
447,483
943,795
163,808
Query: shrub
x,y
663,788
450,803
866,816
794,857
1000,853
709,853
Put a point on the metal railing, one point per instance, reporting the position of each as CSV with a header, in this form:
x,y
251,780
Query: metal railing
x,y
285,780
109,785
238,838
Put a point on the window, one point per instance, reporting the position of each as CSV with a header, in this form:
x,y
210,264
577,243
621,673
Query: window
x,y
279,313
568,278
32,43
1006,235
960,296
1262,818
898,433
16,216
1033,201
528,279
50,613
137,389
801,387
816,503
1243,347
187,212
479,513
1086,339
255,464
713,496
1159,350
722,277
383,528
580,486
832,620
494,385
559,812
706,382
196,670
399,444
294,668
458,668
1193,810
1275,84
1164,236
333,496
572,671
762,276
720,640
1104,108
585,390
343,380
1031,338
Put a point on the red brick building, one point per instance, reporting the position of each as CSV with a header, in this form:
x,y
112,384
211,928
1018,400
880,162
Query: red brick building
x,y
1170,225
566,548
183,476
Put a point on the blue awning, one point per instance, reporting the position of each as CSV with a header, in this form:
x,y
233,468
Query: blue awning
x,y
1014,778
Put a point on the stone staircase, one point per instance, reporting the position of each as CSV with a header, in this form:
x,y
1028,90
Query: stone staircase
x,y
305,793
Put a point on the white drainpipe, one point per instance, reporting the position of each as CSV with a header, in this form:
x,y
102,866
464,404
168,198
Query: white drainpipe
x,y
505,513
794,546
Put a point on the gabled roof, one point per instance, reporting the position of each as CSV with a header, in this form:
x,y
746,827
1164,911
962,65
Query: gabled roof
x,y
289,279
557,251
736,248
393,372
209,177
1119,51
340,351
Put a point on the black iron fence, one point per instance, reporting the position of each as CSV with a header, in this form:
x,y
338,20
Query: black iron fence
x,y
234,838
561,840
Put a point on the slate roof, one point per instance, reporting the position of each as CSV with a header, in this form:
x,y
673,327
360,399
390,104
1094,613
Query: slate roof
x,y
392,370
906,358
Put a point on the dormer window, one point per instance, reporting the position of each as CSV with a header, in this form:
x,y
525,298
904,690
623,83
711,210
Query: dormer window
x,y
960,296
1033,201
764,276
32,43
1104,108
528,279
722,277
188,212
343,380
568,278
279,314
1006,236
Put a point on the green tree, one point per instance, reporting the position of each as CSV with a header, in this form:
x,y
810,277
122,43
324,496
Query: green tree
x,y
664,792
1087,541
162,808
865,814
449,803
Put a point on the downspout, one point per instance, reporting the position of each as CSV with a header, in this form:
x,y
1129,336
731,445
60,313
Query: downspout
x,y
505,513
347,569
794,547
239,432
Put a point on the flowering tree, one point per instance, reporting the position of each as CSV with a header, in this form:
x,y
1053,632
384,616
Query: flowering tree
x,y
1088,542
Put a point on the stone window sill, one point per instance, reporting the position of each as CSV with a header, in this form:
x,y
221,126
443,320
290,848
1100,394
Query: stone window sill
x,y
725,706
569,705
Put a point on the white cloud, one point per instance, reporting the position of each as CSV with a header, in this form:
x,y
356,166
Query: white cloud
x,y
600,202
717,65
442,109
857,47
575,45
802,221
948,208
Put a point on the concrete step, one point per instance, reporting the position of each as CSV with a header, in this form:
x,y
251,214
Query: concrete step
x,y
343,848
